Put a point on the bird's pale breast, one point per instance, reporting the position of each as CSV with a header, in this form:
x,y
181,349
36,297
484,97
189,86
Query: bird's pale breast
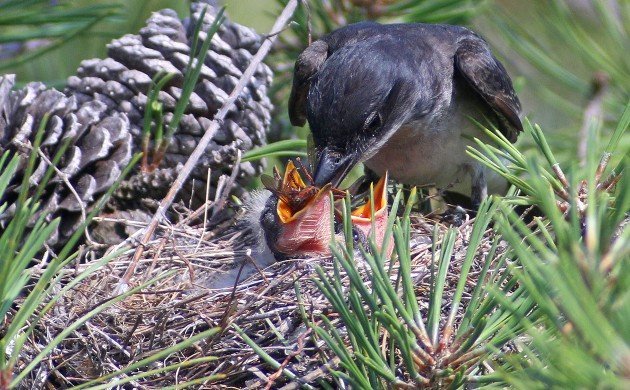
x,y
432,150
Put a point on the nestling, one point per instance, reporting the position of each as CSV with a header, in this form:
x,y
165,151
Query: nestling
x,y
295,219
404,98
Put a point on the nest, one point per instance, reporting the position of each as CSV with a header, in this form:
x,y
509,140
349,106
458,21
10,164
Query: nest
x,y
201,293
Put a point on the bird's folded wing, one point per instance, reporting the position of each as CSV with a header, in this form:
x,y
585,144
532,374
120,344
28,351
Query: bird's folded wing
x,y
490,80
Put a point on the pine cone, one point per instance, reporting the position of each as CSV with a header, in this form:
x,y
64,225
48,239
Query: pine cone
x,y
122,82
102,110
100,147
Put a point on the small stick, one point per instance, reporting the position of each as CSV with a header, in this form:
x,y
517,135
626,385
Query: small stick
x,y
72,190
300,348
160,213
66,181
205,212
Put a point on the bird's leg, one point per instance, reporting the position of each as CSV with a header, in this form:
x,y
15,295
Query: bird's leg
x,y
479,188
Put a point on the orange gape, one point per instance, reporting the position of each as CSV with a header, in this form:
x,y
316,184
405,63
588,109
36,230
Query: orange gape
x,y
305,213
294,195
308,231
363,219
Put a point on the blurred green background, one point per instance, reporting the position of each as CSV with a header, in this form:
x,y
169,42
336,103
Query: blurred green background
x,y
53,68
552,49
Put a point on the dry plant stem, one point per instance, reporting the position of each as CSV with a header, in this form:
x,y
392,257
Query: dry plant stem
x,y
66,181
282,20
6,84
592,112
205,212
313,375
300,347
222,195
248,256
74,192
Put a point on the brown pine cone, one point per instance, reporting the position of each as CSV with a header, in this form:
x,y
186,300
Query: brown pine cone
x,y
100,147
122,81
102,110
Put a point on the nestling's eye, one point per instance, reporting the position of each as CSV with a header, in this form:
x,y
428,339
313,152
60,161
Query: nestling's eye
x,y
373,121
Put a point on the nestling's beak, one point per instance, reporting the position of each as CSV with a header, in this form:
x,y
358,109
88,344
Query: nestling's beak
x,y
306,232
332,167
299,221
364,220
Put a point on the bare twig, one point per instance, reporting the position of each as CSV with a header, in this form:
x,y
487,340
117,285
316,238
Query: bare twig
x,y
66,181
314,375
205,212
282,20
300,348
72,190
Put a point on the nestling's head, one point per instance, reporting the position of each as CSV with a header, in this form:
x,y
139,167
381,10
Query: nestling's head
x,y
298,220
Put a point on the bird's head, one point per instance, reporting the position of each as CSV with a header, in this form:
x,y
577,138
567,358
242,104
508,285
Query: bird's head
x,y
298,219
356,101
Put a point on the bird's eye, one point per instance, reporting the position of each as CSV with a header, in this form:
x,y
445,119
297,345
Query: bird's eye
x,y
373,121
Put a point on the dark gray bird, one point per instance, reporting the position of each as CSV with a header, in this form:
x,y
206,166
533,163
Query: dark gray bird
x,y
403,98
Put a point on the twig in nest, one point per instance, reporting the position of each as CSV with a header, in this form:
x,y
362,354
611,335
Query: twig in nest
x,y
248,256
285,363
205,212
228,308
160,213
313,375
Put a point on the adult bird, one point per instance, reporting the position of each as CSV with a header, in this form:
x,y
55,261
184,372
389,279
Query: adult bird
x,y
404,98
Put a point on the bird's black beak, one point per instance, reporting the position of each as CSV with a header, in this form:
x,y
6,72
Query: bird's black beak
x,y
332,167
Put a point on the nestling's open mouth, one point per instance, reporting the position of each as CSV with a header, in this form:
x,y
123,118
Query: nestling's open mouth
x,y
371,217
305,212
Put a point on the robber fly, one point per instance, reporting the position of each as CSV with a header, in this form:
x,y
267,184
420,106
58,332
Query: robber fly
x,y
295,189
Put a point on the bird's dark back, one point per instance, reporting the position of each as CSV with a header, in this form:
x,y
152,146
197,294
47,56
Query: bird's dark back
x,y
369,63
